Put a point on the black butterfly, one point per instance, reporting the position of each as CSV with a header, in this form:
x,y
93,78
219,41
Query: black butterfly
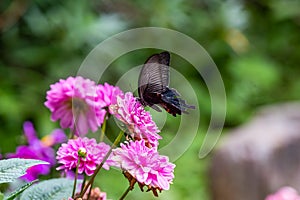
x,y
154,86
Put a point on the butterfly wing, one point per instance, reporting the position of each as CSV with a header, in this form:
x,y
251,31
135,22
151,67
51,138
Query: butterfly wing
x,y
173,104
154,79
153,86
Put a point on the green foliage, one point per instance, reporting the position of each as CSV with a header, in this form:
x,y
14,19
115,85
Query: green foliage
x,y
18,191
255,77
53,189
11,169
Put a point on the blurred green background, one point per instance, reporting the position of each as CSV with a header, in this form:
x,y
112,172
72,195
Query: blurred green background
x,y
255,44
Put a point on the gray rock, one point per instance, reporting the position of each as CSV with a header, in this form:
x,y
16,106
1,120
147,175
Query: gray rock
x,y
259,157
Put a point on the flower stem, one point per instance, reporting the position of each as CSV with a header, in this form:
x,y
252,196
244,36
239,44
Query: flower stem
x,y
75,180
103,128
125,193
90,190
83,183
72,133
76,113
116,142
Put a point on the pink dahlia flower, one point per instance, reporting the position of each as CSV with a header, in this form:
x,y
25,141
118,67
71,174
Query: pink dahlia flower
x,y
87,150
38,149
107,94
144,165
74,102
138,122
285,193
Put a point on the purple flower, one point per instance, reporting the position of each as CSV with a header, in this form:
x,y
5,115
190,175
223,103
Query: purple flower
x,y
144,165
38,149
86,150
74,102
139,122
284,193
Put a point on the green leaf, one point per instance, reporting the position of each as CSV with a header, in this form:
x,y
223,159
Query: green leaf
x,y
11,169
53,189
18,191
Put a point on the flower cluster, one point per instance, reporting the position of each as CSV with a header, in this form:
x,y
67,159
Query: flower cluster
x,y
139,159
285,193
38,149
82,106
84,152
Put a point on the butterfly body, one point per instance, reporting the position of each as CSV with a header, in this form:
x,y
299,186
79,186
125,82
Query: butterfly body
x,y
154,86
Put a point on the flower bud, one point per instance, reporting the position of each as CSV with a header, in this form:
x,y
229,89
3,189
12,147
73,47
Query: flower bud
x,y
82,152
